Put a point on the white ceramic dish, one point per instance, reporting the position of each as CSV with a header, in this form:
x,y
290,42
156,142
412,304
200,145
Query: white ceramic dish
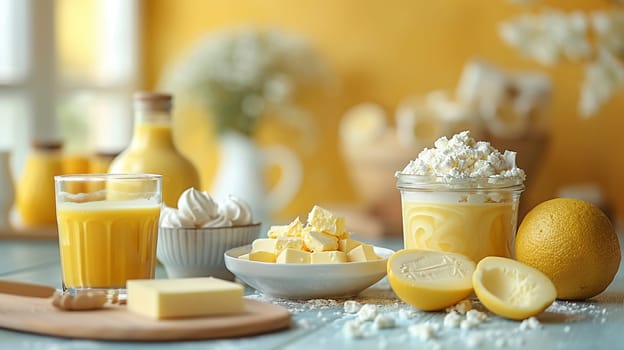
x,y
198,252
307,281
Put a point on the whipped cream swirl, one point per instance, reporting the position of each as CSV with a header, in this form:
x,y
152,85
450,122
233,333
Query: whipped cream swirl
x,y
198,209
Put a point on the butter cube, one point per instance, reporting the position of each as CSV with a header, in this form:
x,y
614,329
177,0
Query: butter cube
x,y
323,220
293,256
291,230
363,252
318,242
328,257
345,245
184,297
262,256
288,242
264,245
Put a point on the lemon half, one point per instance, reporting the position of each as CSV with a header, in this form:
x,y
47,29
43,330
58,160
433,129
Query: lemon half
x,y
512,289
430,280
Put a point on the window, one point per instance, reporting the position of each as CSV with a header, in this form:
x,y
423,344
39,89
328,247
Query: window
x,y
67,71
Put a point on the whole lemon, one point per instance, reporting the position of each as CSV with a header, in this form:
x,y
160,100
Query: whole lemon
x,y
573,243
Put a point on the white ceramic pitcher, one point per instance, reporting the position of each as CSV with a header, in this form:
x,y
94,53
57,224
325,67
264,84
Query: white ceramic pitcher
x,y
241,169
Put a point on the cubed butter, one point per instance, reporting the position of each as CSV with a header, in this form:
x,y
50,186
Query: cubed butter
x,y
363,252
262,256
328,257
319,242
264,245
347,244
293,256
293,229
184,297
288,242
322,220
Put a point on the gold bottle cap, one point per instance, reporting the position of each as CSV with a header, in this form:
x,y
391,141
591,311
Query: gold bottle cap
x,y
152,100
48,145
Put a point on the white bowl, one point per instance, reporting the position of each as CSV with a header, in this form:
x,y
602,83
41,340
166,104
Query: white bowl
x,y
198,252
307,281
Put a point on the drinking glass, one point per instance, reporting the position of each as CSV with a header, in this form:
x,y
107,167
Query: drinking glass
x,y
108,230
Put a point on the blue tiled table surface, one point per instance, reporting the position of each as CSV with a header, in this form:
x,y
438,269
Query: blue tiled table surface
x,y
594,324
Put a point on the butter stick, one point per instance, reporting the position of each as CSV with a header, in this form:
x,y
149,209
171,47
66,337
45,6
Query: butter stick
x,y
184,297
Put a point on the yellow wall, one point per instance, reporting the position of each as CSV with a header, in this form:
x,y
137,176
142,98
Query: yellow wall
x,y
383,51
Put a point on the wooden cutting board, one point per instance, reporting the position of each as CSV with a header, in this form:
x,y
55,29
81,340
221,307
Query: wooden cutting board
x,y
37,315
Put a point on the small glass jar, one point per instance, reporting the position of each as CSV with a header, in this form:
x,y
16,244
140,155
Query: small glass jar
x,y
476,217
35,188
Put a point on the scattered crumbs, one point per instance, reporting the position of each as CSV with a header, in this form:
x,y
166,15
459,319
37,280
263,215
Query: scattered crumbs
x,y
304,322
500,342
452,319
367,312
603,320
476,315
566,329
407,314
474,340
462,307
382,343
337,313
352,306
321,303
424,331
353,329
473,319
469,324
530,323
319,314
384,322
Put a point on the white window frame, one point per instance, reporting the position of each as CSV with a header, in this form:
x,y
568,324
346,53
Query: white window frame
x,y
41,88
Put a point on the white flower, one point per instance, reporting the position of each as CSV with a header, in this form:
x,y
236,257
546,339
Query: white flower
x,y
245,73
603,78
549,36
609,29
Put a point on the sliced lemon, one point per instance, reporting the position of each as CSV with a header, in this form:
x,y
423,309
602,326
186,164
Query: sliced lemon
x,y
512,289
430,280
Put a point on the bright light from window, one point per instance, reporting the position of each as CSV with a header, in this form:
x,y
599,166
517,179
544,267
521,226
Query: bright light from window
x,y
13,40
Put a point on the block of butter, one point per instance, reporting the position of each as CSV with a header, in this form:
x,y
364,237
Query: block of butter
x,y
184,297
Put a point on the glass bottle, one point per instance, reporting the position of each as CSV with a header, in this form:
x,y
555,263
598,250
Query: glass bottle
x,y
35,202
152,149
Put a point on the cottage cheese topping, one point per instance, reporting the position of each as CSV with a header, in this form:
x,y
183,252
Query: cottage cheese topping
x,y
198,209
462,157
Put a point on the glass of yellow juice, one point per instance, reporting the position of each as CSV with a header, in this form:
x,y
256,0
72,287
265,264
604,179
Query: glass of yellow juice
x,y
476,217
108,230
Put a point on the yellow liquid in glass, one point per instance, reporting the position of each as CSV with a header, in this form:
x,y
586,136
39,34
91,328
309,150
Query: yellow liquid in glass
x,y
104,244
474,230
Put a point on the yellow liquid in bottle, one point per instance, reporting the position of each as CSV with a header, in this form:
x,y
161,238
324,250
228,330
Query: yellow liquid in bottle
x,y
474,230
103,244
152,151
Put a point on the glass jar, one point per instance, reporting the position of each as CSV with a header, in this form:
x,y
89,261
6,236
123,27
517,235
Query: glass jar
x,y
476,217
35,188
152,149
